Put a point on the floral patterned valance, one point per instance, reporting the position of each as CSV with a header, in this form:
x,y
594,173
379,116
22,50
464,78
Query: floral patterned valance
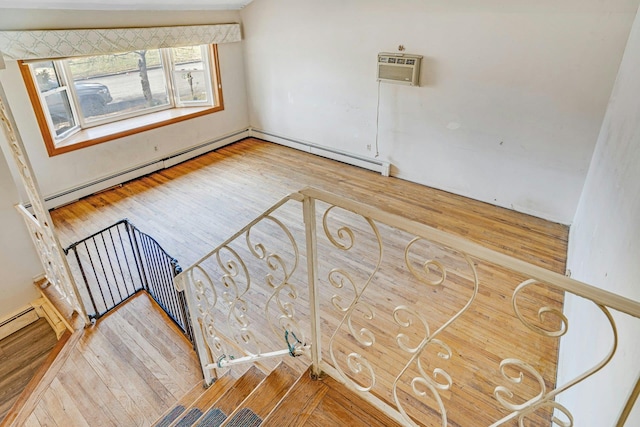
x,y
52,44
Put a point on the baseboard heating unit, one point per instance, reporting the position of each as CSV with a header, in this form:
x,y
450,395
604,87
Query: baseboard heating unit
x,y
375,165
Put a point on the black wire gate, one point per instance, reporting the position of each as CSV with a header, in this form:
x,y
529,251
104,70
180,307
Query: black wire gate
x,y
119,261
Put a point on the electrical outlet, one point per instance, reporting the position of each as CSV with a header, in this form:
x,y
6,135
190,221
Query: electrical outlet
x,y
369,147
155,148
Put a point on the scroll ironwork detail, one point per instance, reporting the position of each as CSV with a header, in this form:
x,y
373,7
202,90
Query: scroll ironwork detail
x,y
544,398
438,379
344,239
220,284
40,227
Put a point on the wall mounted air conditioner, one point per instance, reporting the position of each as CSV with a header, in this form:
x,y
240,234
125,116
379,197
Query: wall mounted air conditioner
x,y
400,68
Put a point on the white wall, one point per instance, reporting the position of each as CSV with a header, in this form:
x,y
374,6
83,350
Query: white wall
x,y
605,251
67,171
512,96
18,260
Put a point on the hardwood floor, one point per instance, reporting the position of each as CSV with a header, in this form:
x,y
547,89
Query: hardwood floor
x,y
324,403
125,371
21,354
192,207
206,198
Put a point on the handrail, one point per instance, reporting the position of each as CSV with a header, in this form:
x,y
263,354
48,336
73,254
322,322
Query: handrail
x,y
344,296
203,297
276,206
97,233
604,297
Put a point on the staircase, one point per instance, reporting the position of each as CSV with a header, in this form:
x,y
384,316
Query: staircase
x,y
258,297
279,398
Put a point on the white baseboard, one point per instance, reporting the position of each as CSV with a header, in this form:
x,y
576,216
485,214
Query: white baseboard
x,y
86,189
75,193
40,308
375,165
200,149
17,320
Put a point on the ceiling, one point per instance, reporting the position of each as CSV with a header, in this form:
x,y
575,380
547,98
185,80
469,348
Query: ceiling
x,y
126,4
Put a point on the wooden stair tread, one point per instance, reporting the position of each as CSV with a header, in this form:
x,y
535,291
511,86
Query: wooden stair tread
x,y
356,407
180,406
204,401
268,393
235,394
294,406
325,402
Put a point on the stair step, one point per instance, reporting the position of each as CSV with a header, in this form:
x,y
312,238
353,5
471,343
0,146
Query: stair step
x,y
216,413
194,411
324,402
180,406
263,398
294,406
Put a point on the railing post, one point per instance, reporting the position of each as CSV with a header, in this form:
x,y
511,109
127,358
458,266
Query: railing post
x,y
204,355
309,213
182,303
131,230
86,282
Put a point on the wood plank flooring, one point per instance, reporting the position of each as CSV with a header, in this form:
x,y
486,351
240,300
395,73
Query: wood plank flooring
x,y
21,354
197,203
324,403
192,207
126,371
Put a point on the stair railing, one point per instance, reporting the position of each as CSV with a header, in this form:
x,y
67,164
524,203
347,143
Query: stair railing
x,y
386,307
244,286
56,269
39,223
116,263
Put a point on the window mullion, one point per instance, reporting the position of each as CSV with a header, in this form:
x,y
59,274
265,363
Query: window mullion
x,y
207,65
167,66
67,78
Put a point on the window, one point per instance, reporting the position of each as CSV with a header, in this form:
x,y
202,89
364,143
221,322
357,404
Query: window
x,y
84,101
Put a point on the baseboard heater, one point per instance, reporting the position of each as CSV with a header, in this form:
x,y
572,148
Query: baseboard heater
x,y
71,195
331,153
17,316
17,321
92,187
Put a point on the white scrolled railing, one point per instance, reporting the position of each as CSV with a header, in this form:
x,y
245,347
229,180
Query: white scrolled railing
x,y
421,323
240,284
39,225
54,263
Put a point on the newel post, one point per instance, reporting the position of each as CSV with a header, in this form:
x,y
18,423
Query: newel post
x,y
309,211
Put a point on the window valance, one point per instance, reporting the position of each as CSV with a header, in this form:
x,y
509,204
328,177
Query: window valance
x,y
53,44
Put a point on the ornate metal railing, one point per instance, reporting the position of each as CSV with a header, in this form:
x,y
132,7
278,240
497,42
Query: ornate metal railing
x,y
39,224
119,261
400,312
52,259
238,307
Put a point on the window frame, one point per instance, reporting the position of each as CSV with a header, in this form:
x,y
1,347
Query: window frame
x,y
97,133
86,124
60,90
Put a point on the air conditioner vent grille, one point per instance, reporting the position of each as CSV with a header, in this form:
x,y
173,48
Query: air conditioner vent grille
x,y
399,68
